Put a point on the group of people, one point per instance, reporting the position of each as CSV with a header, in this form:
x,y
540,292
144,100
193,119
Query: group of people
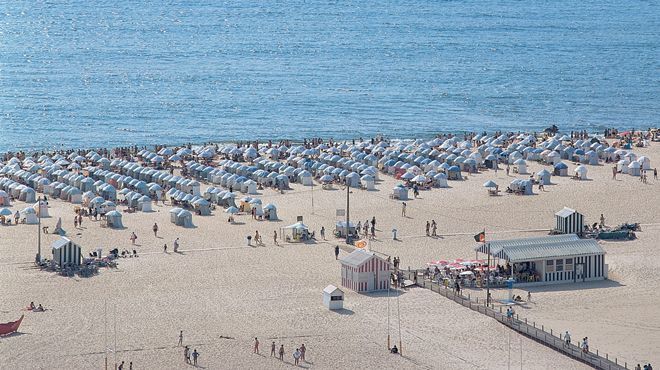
x,y
33,308
187,355
366,227
431,228
298,354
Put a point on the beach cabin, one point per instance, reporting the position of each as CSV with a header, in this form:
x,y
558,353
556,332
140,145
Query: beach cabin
x,y
173,213
522,187
353,180
249,187
27,195
440,180
454,173
569,221
634,169
4,198
305,178
547,260
580,172
202,207
270,212
520,166
41,207
183,218
400,192
561,169
66,252
144,204
645,162
368,182
113,220
333,298
364,272
543,177
29,216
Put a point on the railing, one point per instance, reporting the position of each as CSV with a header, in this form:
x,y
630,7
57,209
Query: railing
x,y
522,326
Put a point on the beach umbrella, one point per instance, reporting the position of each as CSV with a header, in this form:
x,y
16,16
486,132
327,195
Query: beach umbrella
x,y
5,212
231,210
490,184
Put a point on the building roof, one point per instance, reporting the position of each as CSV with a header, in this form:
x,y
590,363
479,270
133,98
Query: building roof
x,y
61,242
331,289
551,250
497,245
565,212
357,258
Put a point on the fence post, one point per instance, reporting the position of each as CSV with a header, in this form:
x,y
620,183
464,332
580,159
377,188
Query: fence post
x,y
551,332
525,321
534,324
542,328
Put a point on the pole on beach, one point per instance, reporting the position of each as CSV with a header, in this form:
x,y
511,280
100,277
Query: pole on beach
x,y
105,331
398,312
348,205
39,231
388,314
488,279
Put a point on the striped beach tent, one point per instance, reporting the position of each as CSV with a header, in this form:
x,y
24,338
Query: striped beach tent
x,y
66,252
569,221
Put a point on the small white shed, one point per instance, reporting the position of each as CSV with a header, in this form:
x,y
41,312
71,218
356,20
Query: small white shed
x,y
333,298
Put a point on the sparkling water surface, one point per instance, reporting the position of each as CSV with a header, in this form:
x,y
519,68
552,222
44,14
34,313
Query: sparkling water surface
x,y
106,73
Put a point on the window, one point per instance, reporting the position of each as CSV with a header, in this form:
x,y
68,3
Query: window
x,y
559,266
550,266
568,265
336,298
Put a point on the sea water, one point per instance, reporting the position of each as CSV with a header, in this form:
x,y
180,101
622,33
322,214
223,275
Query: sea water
x,y
106,73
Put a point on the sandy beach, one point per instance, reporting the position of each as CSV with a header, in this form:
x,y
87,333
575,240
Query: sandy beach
x,y
223,293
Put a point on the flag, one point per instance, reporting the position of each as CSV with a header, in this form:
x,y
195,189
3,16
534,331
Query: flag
x,y
481,237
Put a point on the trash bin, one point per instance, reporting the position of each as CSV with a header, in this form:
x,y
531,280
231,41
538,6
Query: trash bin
x,y
249,240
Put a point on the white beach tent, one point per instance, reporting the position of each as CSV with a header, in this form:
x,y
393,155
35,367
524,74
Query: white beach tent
x,y
41,207
634,168
173,212
581,172
400,192
306,178
144,204
29,215
368,182
184,218
520,165
270,212
249,187
113,219
4,198
543,177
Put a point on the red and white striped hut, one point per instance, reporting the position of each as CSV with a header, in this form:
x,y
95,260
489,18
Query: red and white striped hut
x,y
364,272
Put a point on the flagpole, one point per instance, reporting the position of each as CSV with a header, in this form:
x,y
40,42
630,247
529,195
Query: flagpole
x,y
487,274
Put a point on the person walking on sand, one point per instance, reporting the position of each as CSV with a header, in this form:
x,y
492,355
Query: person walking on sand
x,y
655,174
80,220
272,350
256,346
281,352
434,228
165,248
403,209
180,338
176,245
302,352
195,355
323,232
275,237
428,228
75,220
602,220
336,252
508,168
296,356
133,238
155,229
186,354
